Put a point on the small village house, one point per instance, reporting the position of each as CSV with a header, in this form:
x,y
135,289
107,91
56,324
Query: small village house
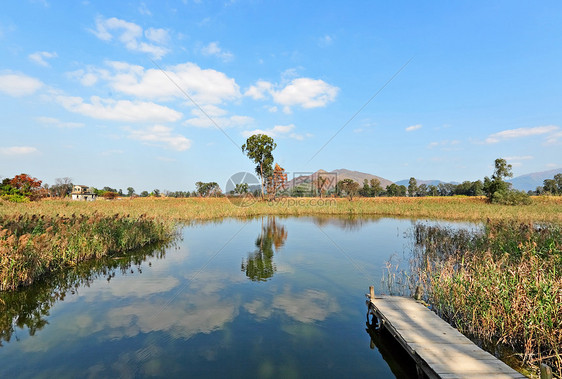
x,y
82,193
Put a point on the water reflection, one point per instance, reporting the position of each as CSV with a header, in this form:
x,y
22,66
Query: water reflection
x,y
28,308
351,222
196,314
259,266
400,363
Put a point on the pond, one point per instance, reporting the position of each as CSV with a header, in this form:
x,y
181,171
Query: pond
x,y
264,297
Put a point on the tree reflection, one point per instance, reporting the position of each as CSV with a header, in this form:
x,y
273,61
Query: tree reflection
x,y
29,307
350,222
259,266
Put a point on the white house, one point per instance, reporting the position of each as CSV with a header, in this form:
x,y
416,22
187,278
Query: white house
x,y
82,193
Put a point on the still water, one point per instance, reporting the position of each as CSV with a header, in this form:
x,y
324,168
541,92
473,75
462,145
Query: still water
x,y
265,297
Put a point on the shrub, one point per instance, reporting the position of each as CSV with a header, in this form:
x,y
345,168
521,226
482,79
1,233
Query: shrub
x,y
511,197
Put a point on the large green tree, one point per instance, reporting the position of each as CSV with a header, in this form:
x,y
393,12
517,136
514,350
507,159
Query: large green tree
x,y
412,187
259,148
350,187
497,190
497,184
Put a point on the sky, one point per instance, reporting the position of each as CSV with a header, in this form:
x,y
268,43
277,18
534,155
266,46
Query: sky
x,y
162,94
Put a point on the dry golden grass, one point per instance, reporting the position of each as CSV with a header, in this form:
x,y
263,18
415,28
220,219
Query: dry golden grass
x,y
447,208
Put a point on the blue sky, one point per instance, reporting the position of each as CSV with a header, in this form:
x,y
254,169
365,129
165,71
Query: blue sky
x,y
89,90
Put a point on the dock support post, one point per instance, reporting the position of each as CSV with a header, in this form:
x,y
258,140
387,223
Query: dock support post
x,y
546,371
372,292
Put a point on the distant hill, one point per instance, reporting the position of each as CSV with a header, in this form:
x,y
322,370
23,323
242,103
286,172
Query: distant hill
x,y
530,182
405,182
337,175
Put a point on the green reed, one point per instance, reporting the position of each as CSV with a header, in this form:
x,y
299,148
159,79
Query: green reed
x,y
32,245
502,285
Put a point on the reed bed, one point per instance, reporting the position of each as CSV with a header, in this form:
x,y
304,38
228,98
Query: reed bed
x,y
33,245
502,285
189,209
29,308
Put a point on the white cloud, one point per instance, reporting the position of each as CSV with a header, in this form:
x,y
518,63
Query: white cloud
x,y
306,92
40,56
307,307
59,124
202,121
130,35
519,158
277,131
19,84
214,49
160,36
18,150
204,86
413,127
303,92
445,144
119,110
143,9
259,90
88,77
520,132
553,138
161,136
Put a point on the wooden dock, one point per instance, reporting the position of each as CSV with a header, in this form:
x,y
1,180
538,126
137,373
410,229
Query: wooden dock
x,y
439,350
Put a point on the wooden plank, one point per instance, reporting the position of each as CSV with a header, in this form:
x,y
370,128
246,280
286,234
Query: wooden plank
x,y
438,348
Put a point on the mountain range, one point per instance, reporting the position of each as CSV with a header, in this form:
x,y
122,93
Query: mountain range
x,y
530,182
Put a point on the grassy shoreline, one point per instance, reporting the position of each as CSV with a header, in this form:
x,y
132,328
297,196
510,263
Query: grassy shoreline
x,y
32,246
502,286
547,209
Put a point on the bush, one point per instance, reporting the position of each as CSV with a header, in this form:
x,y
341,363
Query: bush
x,y
16,198
511,197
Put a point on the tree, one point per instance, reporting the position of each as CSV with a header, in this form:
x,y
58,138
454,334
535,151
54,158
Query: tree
x,y
477,188
558,180
130,191
109,195
62,187
22,186
392,190
549,185
350,187
498,191
207,189
376,188
497,184
422,190
241,188
259,148
412,187
432,190
366,190
446,189
276,182
321,184
144,194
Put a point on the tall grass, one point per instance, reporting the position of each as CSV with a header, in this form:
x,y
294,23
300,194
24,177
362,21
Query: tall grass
x,y
447,208
32,245
29,307
503,285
